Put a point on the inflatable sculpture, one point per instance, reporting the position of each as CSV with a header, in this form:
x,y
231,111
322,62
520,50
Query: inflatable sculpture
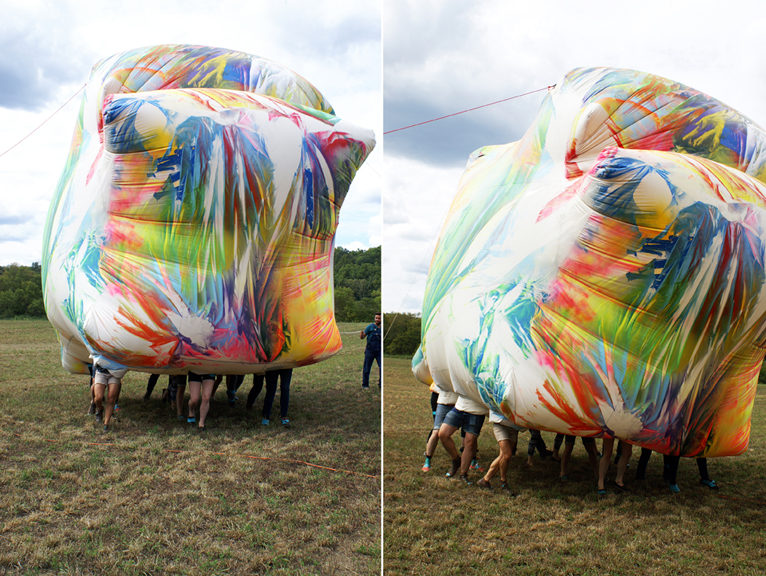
x,y
604,276
193,225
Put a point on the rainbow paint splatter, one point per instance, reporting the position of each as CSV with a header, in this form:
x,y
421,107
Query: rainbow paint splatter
x,y
604,276
194,221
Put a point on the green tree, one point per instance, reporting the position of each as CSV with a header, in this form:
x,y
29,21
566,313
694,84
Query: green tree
x,y
21,291
402,334
357,280
345,305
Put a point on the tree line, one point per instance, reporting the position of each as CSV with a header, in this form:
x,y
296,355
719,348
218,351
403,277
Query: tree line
x,y
402,334
21,292
357,280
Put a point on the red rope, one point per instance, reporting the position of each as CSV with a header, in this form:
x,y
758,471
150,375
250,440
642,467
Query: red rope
x,y
470,109
44,121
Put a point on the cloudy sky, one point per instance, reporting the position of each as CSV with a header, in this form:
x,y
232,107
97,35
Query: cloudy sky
x,y
445,56
47,49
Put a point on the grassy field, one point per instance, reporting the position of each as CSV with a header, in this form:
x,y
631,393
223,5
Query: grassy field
x,y
437,526
155,497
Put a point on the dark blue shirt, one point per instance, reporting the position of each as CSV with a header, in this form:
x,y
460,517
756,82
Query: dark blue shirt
x,y
373,337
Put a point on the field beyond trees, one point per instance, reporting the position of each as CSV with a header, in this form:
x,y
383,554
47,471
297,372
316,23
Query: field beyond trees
x,y
437,526
155,496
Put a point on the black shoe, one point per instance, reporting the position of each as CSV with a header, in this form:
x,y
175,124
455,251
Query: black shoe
x,y
709,483
506,488
455,467
465,480
482,483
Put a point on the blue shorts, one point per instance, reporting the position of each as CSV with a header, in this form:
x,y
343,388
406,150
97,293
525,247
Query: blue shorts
x,y
441,412
471,423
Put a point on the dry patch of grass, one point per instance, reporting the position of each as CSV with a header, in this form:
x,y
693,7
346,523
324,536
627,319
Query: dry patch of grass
x,y
156,497
436,526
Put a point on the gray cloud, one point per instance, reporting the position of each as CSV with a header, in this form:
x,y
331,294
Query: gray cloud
x,y
450,141
38,55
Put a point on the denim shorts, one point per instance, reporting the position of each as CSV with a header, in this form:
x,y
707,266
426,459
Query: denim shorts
x,y
471,423
441,412
193,377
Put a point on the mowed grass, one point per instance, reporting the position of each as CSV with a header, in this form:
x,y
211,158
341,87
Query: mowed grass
x,y
155,497
437,526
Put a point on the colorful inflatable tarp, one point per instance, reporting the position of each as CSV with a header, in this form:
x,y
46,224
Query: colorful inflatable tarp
x,y
193,225
604,276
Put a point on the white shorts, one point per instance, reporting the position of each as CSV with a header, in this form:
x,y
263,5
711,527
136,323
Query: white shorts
x,y
105,379
504,432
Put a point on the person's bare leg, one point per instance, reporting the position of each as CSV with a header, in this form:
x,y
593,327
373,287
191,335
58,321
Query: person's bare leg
x,y
505,459
494,468
565,459
217,382
113,397
180,393
433,441
606,458
625,452
207,394
470,443
194,397
592,458
98,398
445,435
500,463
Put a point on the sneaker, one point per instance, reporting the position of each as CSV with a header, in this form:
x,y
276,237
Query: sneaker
x,y
505,488
476,466
674,488
454,468
92,409
464,479
180,417
286,423
99,416
427,465
482,483
232,397
709,483
365,387
191,420
106,428
116,407
265,422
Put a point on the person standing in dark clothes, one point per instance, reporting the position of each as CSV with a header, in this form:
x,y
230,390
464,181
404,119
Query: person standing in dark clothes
x,y
284,377
372,351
